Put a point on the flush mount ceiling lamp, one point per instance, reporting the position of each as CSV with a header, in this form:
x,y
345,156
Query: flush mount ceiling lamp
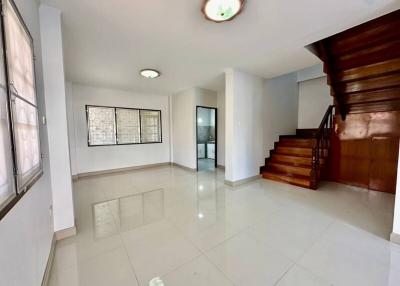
x,y
150,73
222,10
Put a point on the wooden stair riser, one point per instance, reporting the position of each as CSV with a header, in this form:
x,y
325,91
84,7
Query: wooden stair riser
x,y
293,151
289,169
291,160
306,133
287,179
302,143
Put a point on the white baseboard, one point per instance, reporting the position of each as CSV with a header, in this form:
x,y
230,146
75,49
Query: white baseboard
x,y
241,182
111,171
395,238
65,233
184,167
49,265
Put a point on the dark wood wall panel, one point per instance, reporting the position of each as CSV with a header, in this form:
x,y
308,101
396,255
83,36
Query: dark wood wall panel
x,y
364,150
383,168
351,160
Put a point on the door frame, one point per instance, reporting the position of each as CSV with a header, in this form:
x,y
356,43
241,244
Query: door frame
x,y
216,135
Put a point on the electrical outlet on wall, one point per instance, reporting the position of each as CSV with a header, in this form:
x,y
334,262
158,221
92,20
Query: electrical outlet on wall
x,y
51,210
44,120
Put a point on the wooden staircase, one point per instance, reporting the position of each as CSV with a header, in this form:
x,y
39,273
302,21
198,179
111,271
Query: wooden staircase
x,y
290,161
363,66
301,159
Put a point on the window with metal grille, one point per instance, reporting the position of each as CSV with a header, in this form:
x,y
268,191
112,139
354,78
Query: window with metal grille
x,y
122,126
101,126
20,156
150,126
128,126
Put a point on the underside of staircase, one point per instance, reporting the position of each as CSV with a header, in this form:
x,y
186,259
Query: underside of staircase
x,y
291,161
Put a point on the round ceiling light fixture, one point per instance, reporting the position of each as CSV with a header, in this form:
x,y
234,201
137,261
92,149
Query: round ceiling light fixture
x,y
222,10
150,73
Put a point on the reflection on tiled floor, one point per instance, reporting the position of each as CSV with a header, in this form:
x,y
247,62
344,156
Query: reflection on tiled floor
x,y
206,164
126,213
179,228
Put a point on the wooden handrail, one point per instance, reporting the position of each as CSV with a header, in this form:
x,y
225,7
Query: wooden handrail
x,y
322,144
328,113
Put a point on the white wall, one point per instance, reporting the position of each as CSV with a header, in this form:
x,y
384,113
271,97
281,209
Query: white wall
x,y
54,90
71,128
312,72
243,126
92,159
221,128
396,220
184,134
257,112
27,230
280,109
204,97
184,123
314,99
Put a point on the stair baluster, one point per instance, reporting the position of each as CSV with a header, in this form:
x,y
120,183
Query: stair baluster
x,y
320,150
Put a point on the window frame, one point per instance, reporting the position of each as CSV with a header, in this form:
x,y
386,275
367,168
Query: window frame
x,y
87,106
140,126
20,190
88,126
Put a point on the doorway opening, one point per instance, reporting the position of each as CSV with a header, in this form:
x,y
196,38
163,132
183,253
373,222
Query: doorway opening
x,y
206,138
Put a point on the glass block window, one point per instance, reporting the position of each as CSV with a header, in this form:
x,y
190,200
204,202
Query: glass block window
x,y
150,126
101,126
128,126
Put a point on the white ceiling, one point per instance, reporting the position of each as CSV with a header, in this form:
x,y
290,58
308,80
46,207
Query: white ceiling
x,y
106,42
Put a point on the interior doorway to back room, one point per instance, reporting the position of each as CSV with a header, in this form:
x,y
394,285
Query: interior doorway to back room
x,y
206,136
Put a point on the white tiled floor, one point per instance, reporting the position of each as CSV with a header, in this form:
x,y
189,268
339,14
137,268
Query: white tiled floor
x,y
189,229
206,164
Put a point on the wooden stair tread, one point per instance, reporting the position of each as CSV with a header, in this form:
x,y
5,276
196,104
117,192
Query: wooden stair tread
x,y
295,160
289,170
293,150
288,164
291,161
296,142
293,155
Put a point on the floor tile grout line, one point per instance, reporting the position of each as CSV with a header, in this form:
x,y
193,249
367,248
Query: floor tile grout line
x,y
284,274
125,248
182,265
320,278
318,238
177,267
129,259
203,254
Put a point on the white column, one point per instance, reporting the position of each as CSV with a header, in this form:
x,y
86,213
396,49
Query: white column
x,y
243,127
229,125
395,237
56,110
